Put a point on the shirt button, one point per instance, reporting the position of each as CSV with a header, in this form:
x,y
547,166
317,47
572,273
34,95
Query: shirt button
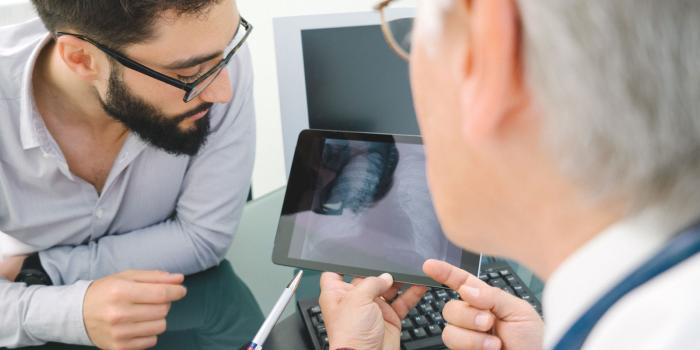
x,y
99,213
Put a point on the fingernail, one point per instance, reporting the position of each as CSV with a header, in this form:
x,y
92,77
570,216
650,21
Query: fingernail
x,y
471,291
482,319
387,277
490,343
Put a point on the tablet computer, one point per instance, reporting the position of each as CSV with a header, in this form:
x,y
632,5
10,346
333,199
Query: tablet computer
x,y
359,204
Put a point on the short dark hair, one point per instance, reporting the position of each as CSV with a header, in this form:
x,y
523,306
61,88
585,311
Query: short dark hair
x,y
115,23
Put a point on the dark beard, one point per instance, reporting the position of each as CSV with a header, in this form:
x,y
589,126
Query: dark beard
x,y
150,124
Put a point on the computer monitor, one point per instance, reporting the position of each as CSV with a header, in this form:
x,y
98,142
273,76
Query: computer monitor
x,y
336,72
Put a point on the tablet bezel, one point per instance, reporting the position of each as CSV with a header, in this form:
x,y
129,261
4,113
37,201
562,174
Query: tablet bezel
x,y
305,157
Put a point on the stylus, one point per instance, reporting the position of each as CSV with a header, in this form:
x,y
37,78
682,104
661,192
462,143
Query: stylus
x,y
274,315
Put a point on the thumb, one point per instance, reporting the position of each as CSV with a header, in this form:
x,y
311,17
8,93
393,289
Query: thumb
x,y
372,287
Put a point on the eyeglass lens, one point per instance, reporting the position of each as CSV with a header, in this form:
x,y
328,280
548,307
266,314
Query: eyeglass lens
x,y
402,29
204,84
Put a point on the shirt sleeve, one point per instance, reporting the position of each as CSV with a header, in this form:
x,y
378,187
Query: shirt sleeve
x,y
38,314
207,213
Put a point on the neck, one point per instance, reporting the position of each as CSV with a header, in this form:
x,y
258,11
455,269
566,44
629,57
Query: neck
x,y
562,222
63,97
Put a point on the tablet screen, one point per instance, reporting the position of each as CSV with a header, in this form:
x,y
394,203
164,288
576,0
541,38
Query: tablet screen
x,y
360,203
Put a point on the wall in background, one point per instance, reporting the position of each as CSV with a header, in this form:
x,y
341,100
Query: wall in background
x,y
269,164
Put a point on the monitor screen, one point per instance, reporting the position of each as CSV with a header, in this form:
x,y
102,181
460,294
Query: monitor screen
x,y
336,72
354,82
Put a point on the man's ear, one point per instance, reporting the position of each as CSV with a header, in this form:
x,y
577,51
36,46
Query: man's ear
x,y
491,81
80,57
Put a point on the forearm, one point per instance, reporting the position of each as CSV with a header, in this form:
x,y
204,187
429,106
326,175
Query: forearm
x,y
172,246
39,314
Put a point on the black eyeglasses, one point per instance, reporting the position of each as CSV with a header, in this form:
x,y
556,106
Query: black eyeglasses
x,y
192,89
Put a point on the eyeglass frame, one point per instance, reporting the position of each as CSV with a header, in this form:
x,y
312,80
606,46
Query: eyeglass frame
x,y
187,87
389,36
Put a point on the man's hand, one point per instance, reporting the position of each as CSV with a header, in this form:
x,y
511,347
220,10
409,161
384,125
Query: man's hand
x,y
10,267
365,314
128,310
486,318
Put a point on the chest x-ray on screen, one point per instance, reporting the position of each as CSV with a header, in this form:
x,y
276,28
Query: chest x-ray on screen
x,y
372,209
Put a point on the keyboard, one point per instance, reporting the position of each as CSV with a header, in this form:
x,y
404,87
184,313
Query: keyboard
x,y
422,327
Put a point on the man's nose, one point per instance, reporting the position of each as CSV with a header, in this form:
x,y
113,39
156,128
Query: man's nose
x,y
220,90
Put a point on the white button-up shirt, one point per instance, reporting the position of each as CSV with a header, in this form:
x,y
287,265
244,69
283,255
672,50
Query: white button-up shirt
x,y
156,210
664,313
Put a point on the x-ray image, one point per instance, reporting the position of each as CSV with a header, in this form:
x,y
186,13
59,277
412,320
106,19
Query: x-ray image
x,y
371,208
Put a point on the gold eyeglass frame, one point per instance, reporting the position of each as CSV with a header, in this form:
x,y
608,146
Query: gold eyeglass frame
x,y
388,34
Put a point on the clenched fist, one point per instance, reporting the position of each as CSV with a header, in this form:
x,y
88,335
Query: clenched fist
x,y
128,310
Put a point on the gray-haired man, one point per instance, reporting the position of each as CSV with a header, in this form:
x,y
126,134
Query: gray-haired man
x,y
564,134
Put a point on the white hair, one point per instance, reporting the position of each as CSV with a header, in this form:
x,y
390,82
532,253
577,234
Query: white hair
x,y
431,13
618,82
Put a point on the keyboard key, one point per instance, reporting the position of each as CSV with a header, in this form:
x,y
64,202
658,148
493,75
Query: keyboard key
x,y
454,294
426,309
439,305
436,317
420,321
504,272
425,343
434,330
315,310
493,275
320,329
406,324
428,298
498,283
413,312
405,336
511,279
442,294
419,333
484,278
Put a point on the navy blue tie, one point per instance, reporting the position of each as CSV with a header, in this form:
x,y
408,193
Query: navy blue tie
x,y
678,249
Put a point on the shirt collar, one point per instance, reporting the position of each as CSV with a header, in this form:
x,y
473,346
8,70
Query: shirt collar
x,y
593,269
27,117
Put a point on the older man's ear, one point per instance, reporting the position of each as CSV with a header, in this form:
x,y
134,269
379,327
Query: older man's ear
x,y
491,73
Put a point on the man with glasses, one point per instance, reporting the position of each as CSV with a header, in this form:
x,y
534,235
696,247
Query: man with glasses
x,y
564,135
126,142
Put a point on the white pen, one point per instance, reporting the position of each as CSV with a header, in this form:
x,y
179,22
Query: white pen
x,y
274,315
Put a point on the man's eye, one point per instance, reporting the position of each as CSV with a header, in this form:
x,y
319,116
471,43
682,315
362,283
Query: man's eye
x,y
189,78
